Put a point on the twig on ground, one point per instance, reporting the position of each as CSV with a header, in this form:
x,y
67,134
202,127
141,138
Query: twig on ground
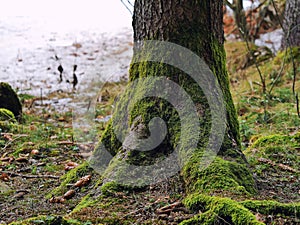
x,y
30,176
280,165
18,136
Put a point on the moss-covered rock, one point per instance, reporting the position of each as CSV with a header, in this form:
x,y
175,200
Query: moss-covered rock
x,y
9,100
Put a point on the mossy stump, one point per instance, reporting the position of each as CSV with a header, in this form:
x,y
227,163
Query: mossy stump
x,y
9,100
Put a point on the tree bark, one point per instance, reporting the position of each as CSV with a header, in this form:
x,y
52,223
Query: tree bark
x,y
291,24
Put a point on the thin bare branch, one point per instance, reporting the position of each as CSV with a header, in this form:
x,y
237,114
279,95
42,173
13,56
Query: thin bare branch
x,y
127,6
226,2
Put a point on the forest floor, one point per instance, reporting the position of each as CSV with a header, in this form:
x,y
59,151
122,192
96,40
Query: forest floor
x,y
36,153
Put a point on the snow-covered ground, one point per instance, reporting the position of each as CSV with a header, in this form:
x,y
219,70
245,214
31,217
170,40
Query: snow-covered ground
x,y
249,3
95,35
272,40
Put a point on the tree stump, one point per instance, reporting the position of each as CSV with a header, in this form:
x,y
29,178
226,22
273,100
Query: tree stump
x,y
9,100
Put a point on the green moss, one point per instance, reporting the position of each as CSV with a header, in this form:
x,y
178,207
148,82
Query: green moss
x,y
101,198
218,209
145,109
69,178
220,72
273,140
7,120
288,55
110,187
273,208
220,175
24,97
6,126
85,202
109,140
206,218
217,66
156,107
6,115
104,210
273,146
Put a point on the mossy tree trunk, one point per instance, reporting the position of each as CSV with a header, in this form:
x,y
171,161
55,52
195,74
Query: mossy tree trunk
x,y
137,148
291,24
197,26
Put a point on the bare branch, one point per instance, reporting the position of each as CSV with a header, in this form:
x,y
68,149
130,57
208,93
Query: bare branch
x,y
226,2
127,6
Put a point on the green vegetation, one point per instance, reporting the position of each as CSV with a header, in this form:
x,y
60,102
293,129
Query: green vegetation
x,y
273,207
6,115
220,175
216,210
270,112
7,121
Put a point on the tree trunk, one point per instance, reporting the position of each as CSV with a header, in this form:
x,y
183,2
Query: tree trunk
x,y
291,24
240,18
176,117
135,135
139,149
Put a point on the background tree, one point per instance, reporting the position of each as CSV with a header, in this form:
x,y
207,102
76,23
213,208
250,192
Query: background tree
x,y
291,24
240,17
